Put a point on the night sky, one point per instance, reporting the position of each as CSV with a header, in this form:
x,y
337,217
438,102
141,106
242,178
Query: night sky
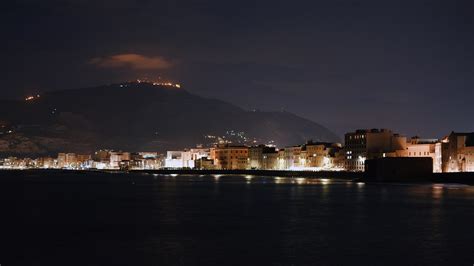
x,y
405,65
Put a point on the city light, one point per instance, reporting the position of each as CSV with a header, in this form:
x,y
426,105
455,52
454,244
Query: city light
x,y
325,181
309,157
33,97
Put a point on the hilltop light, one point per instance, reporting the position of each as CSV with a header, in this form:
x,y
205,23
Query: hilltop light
x,y
167,84
156,83
32,97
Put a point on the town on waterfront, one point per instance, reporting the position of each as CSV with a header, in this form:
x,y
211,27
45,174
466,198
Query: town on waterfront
x,y
452,153
161,132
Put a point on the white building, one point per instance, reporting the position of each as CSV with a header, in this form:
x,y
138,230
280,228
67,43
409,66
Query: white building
x,y
185,159
174,159
417,147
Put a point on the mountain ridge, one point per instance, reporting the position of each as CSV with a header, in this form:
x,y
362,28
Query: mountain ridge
x,y
141,117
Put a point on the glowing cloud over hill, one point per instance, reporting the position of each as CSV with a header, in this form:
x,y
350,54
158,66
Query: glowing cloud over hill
x,y
134,61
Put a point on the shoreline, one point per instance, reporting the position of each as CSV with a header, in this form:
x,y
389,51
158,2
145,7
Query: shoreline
x,y
458,178
276,173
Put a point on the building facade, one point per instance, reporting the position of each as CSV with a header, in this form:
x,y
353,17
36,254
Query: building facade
x,y
174,159
457,152
417,147
117,158
67,160
230,157
366,144
320,155
261,157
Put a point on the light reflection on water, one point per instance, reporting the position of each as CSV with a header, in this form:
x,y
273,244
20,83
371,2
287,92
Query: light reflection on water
x,y
437,191
242,220
434,191
251,179
436,188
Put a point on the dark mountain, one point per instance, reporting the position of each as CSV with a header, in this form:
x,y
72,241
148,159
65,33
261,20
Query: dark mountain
x,y
140,117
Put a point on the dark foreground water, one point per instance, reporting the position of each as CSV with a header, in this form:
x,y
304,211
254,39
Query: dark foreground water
x,y
120,219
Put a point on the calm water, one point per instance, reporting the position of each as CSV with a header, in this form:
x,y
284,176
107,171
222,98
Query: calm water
x,y
119,219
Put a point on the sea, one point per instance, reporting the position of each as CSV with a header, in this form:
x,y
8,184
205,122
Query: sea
x,y
109,218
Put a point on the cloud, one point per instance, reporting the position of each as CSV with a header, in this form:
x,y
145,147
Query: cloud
x,y
134,61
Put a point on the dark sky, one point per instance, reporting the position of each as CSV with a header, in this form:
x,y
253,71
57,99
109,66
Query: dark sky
x,y
405,65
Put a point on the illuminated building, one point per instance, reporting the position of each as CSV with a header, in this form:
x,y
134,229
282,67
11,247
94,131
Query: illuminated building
x,y
81,158
310,156
467,159
185,159
204,163
320,155
291,158
84,161
67,160
174,159
117,158
148,154
418,147
12,163
61,160
339,160
259,154
101,159
270,160
458,152
230,157
45,162
370,144
196,154
147,160
281,159
179,159
101,156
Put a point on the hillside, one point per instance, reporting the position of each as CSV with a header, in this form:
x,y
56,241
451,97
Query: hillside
x,y
140,117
